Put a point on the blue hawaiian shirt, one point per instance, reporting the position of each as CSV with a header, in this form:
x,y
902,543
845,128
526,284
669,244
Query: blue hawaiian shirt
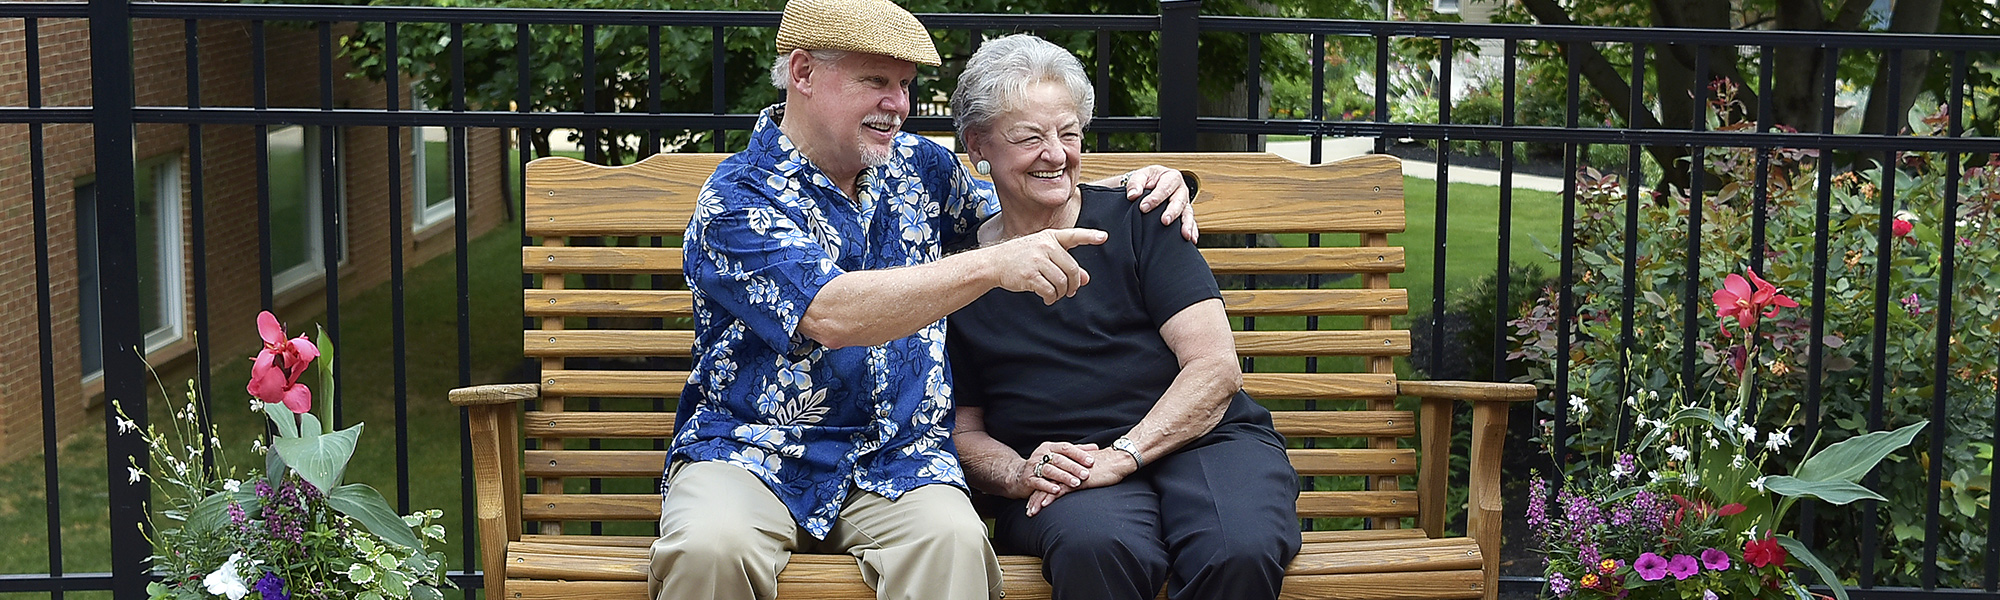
x,y
769,230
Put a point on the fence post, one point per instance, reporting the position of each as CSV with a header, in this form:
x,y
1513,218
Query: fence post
x,y
118,278
1180,38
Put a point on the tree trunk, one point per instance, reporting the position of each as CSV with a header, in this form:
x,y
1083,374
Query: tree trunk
x,y
1887,108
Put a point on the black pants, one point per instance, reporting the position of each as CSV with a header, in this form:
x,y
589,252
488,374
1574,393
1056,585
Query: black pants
x,y
1218,520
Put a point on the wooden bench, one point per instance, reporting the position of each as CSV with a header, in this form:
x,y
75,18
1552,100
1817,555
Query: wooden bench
x,y
572,517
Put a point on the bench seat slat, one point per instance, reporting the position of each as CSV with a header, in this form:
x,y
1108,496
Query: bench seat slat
x,y
607,303
1269,386
645,260
649,463
641,425
1402,503
680,342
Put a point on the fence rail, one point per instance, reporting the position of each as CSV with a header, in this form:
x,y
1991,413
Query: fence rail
x,y
115,113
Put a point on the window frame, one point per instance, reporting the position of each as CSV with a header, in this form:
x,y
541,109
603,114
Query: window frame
x,y
295,277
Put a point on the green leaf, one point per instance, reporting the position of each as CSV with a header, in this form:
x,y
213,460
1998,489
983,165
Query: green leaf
x,y
369,596
425,592
1805,555
325,374
320,459
1623,494
274,467
288,423
1854,457
309,425
360,573
209,512
1835,492
365,505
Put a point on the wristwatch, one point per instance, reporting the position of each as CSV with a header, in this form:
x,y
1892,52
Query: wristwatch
x,y
1126,444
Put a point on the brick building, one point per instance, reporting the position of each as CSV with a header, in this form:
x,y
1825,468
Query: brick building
x,y
229,200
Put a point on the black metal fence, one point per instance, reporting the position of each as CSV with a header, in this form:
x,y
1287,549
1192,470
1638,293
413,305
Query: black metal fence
x,y
114,113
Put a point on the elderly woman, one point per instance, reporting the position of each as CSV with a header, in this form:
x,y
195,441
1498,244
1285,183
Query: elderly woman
x,y
1113,421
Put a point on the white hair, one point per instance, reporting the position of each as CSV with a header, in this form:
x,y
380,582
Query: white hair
x,y
781,69
998,74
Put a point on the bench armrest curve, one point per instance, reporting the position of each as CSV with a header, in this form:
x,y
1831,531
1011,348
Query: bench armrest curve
x,y
498,393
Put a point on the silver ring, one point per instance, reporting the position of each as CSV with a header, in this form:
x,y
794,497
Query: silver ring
x,y
1043,463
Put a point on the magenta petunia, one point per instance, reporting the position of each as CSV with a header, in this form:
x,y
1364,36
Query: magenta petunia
x,y
1682,566
1715,559
1651,567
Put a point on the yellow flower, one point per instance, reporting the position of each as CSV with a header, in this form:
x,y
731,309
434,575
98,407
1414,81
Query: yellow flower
x,y
1607,566
1589,580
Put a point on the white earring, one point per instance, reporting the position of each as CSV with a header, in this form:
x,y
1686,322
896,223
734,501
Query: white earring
x,y
983,167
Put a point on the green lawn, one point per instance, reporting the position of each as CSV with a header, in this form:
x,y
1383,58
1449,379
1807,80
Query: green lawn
x,y
433,370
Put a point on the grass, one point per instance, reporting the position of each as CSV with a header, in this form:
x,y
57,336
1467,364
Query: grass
x,y
495,278
368,396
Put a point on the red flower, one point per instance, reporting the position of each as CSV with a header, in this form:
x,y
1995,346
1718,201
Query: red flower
x,y
1740,299
1901,228
1765,552
274,377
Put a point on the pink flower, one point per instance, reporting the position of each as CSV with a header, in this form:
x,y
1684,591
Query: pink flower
x,y
1715,559
1901,228
1682,567
1651,567
274,377
1740,299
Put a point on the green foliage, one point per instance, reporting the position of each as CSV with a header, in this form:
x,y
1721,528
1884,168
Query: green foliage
x,y
1857,255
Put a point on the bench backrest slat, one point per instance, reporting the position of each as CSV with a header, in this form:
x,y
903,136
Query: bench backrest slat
x,y
613,313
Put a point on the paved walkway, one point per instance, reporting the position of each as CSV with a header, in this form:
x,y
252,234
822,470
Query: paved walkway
x,y
1332,149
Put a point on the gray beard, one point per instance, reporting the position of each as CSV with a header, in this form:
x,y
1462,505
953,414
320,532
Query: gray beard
x,y
875,157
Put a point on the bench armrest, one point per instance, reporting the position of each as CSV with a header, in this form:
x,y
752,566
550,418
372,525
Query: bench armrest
x,y
1470,391
498,393
493,414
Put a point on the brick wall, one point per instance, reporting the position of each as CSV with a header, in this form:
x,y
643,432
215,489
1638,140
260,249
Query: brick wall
x,y
229,199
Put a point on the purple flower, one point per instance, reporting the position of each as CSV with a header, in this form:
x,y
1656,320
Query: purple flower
x,y
1715,560
1709,595
1538,502
1651,567
1913,304
1682,567
1559,584
272,587
1588,555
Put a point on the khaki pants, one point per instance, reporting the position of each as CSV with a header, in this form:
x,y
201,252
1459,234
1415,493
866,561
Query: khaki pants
x,y
725,536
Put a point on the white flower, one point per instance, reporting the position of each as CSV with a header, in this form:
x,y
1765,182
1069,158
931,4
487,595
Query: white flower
x,y
257,446
1691,478
1579,406
1749,433
225,582
126,425
1738,462
1656,476
134,474
1618,471
1632,401
232,486
1677,452
1778,439
1758,484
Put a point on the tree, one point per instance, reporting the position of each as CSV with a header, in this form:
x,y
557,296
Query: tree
x,y
1796,88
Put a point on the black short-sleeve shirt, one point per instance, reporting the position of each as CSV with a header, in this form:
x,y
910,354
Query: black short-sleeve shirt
x,y
1089,367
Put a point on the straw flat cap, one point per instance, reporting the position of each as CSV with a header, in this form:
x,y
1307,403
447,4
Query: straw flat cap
x,y
868,26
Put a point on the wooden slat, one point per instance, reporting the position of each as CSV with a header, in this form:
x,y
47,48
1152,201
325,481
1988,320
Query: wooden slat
x,y
1476,391
1440,555
638,541
1345,423
1394,342
614,384
1344,504
594,463
1258,303
1420,585
568,197
627,342
1323,461
1460,544
835,577
594,259
1317,385
607,303
641,425
1258,261
1343,535
650,463
590,507
1243,192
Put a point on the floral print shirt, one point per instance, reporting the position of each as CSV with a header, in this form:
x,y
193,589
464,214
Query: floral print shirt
x,y
770,229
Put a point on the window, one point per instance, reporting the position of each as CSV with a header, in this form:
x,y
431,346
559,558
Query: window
x,y
297,244
432,161
157,203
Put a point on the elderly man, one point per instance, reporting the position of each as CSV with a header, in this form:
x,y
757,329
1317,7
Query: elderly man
x,y
818,417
